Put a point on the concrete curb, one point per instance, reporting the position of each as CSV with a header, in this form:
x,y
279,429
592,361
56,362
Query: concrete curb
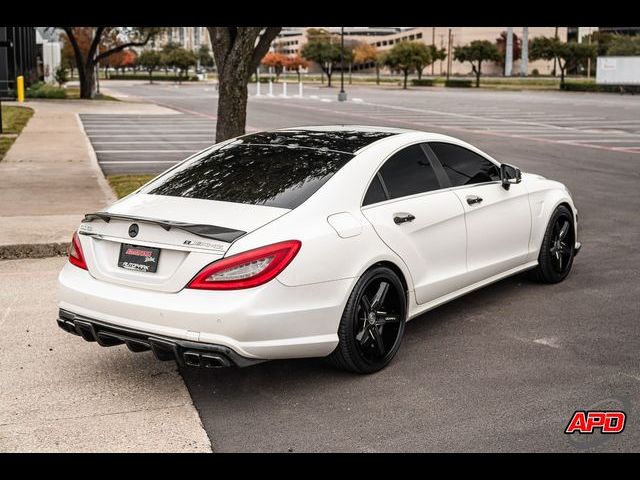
x,y
37,250
93,160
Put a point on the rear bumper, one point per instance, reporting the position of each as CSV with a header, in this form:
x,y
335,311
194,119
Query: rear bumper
x,y
272,321
185,353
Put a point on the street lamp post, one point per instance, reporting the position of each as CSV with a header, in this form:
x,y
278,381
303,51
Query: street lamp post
x,y
342,96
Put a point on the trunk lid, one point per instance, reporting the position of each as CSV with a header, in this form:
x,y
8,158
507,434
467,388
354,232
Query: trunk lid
x,y
190,233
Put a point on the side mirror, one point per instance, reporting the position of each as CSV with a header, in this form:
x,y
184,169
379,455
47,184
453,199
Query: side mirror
x,y
509,174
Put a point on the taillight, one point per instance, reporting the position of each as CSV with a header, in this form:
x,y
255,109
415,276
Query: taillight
x,y
76,256
247,269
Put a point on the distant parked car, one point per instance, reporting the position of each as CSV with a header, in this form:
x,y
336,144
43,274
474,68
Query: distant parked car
x,y
308,242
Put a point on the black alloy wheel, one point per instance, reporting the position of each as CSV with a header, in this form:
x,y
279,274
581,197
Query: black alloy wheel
x,y
558,248
373,323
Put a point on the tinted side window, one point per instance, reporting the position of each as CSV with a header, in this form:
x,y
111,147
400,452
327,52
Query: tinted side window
x,y
463,166
408,172
375,193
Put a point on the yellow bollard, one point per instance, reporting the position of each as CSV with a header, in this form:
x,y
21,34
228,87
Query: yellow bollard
x,y
20,88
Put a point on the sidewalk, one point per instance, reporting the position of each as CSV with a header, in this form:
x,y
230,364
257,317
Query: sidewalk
x,y
49,178
59,393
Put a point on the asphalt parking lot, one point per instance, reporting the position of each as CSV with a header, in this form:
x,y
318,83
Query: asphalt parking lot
x,y
134,144
502,369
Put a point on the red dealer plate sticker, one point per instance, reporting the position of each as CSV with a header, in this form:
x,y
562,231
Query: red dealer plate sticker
x,y
141,259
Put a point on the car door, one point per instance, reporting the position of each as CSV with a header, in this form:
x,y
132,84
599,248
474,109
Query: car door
x,y
498,220
419,221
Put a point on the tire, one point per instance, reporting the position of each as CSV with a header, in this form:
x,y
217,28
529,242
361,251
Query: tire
x,y
556,259
360,349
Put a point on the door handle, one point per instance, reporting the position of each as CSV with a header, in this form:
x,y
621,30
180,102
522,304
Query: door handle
x,y
474,199
399,218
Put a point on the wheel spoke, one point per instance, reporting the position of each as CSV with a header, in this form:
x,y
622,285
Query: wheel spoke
x,y
363,336
378,338
559,261
380,295
564,230
366,304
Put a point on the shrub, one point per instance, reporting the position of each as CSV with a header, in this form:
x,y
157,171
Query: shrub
x,y
458,83
423,82
42,90
535,72
61,76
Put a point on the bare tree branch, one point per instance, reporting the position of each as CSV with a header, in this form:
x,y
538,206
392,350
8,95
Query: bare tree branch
x,y
263,46
121,47
97,36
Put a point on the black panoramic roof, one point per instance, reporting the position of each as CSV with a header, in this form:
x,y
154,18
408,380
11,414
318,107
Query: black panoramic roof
x,y
344,140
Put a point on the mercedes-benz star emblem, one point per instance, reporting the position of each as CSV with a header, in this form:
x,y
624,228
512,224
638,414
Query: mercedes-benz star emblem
x,y
133,230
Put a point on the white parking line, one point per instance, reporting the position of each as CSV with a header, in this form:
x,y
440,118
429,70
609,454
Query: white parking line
x,y
127,162
146,151
106,130
154,142
609,140
155,135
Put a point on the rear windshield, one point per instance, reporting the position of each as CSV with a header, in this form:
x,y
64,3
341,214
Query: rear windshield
x,y
272,175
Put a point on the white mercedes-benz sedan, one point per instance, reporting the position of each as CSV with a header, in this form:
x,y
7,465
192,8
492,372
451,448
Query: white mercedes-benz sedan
x,y
308,242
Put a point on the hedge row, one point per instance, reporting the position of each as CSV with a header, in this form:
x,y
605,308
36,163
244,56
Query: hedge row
x,y
594,87
155,78
423,82
458,83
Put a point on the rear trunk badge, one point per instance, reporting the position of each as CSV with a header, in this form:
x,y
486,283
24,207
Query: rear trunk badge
x,y
133,230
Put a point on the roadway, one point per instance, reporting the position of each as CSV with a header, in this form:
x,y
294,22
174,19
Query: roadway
x,y
502,369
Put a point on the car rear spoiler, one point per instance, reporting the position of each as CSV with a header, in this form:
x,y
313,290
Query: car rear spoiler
x,y
213,232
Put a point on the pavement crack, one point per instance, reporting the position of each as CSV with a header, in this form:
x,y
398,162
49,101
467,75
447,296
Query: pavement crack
x,y
97,415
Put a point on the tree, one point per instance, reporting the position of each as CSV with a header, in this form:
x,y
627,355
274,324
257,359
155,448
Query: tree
x,y
277,61
129,59
624,45
501,43
437,54
601,39
423,57
475,53
566,54
111,40
324,49
295,63
237,52
349,48
204,56
150,60
120,60
407,57
365,53
181,59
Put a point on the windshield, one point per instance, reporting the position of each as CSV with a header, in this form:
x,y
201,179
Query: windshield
x,y
260,174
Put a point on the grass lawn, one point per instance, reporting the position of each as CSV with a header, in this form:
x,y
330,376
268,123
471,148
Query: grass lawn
x,y
74,93
123,185
14,120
